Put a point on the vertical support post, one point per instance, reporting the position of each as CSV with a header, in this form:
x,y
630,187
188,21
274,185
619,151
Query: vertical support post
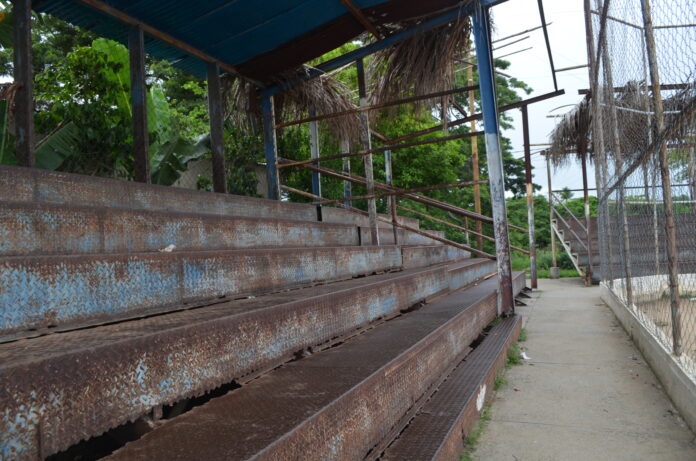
x,y
367,144
604,237
624,230
582,147
475,164
344,147
554,264
392,199
495,159
217,140
672,256
270,147
530,197
24,75
141,142
314,153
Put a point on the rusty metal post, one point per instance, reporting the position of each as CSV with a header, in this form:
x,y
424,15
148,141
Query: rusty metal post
x,y
554,272
217,139
314,153
367,159
582,147
530,197
484,58
24,76
141,142
344,147
475,161
270,147
672,255
392,199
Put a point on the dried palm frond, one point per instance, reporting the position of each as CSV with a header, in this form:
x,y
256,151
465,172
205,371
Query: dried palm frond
x,y
421,64
325,94
571,132
634,119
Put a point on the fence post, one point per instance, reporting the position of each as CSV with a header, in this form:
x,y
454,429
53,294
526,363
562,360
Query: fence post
x,y
24,76
270,146
624,233
530,197
672,256
489,108
586,200
367,144
141,142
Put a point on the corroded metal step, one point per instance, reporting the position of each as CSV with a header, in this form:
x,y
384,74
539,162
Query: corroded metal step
x,y
428,255
439,429
61,388
63,292
45,229
30,185
386,237
337,404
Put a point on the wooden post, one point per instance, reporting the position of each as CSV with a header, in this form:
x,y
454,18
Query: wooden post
x,y
314,152
217,139
475,162
141,142
530,197
367,144
24,76
672,255
270,147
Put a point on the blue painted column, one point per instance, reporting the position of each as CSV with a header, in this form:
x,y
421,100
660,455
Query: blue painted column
x,y
484,57
270,147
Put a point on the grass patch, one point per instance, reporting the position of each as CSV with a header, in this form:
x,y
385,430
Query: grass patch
x,y
473,438
523,335
513,356
521,263
500,382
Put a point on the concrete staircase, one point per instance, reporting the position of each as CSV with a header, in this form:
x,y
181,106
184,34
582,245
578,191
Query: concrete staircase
x,y
140,321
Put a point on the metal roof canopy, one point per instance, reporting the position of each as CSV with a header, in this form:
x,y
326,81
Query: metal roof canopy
x,y
259,40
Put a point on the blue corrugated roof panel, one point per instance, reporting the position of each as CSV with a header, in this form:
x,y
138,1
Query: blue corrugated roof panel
x,y
233,31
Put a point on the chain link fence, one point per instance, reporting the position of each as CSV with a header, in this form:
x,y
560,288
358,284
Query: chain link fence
x,y
644,125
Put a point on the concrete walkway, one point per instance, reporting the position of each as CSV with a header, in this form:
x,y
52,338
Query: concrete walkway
x,y
586,394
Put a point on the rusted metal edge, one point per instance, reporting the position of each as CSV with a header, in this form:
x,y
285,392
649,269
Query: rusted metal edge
x,y
65,292
109,384
44,229
436,433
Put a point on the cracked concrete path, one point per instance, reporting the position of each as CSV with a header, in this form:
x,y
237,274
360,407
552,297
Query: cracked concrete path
x,y
586,394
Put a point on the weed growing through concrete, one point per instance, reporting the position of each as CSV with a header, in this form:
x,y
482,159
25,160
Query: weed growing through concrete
x,y
473,438
499,382
523,335
513,357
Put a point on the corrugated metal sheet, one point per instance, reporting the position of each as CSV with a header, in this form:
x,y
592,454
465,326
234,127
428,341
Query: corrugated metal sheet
x,y
232,31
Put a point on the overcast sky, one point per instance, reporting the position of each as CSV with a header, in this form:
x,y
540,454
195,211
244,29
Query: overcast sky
x,y
567,37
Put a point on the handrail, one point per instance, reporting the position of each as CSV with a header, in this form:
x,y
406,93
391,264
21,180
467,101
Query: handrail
x,y
570,229
582,226
455,226
397,224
